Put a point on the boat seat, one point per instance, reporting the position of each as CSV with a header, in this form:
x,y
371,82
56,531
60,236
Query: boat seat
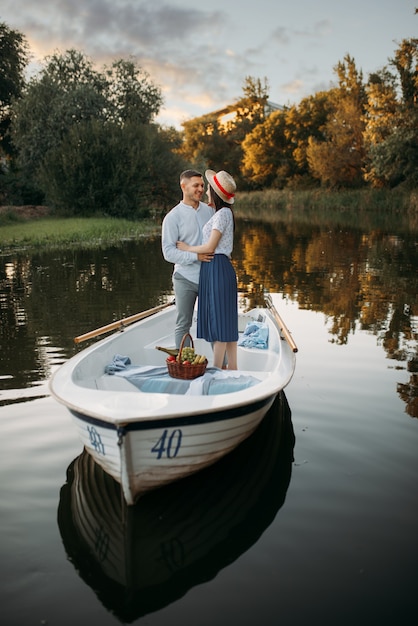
x,y
256,359
169,385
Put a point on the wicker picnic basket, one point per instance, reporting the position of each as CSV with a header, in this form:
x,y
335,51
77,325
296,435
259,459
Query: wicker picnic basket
x,y
176,369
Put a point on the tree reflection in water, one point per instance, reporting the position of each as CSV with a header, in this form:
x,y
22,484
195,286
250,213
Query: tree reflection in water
x,y
360,279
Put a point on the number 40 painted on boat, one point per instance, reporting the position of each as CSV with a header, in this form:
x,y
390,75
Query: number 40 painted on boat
x,y
168,444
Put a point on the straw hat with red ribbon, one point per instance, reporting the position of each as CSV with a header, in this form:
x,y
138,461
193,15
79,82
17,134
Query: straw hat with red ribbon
x,y
223,184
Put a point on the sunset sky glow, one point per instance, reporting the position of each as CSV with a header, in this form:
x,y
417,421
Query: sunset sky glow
x,y
200,53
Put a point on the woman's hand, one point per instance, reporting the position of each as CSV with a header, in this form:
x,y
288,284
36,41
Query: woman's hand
x,y
202,256
181,245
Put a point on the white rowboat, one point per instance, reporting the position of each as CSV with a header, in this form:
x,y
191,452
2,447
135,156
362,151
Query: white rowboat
x,y
146,429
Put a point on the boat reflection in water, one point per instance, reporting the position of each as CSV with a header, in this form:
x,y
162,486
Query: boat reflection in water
x,y
139,559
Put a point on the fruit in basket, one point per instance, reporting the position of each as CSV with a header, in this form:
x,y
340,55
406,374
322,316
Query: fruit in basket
x,y
187,354
171,351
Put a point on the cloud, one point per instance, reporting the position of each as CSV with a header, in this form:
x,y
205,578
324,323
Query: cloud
x,y
294,87
173,44
108,28
281,35
323,28
198,54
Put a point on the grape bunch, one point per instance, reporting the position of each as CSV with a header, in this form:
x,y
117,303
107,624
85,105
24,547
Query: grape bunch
x,y
188,354
189,357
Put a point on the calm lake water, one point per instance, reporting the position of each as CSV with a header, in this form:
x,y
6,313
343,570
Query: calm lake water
x,y
313,521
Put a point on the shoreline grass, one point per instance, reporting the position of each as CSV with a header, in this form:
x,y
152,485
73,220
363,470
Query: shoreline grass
x,y
372,208
61,232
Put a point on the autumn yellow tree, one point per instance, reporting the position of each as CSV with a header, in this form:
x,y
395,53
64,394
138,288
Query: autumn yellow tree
x,y
305,121
217,138
339,159
266,158
275,152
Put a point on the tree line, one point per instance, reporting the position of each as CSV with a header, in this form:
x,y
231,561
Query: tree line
x,y
358,133
84,140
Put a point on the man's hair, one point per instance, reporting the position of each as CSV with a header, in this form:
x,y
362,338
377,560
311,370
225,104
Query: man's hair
x,y
189,174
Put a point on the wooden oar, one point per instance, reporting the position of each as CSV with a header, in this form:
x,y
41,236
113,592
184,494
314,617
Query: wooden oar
x,y
281,323
119,324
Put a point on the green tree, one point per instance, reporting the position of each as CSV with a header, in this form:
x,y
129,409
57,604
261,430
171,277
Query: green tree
x,y
120,170
132,94
381,113
14,57
61,123
406,63
395,159
391,133
67,92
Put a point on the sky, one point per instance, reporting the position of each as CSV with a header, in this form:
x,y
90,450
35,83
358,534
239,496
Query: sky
x,y
199,53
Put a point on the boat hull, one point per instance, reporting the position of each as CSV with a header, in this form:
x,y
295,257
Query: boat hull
x,y
146,455
145,440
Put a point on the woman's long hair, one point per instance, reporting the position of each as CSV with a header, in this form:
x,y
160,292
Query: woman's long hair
x,y
219,203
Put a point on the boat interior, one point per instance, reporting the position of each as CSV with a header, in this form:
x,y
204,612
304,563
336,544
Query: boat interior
x,y
130,359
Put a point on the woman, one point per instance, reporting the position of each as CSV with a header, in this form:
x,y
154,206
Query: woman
x,y
217,315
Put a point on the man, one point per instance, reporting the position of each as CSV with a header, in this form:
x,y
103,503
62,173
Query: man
x,y
184,223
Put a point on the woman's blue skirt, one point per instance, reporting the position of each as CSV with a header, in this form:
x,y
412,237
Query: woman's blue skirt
x,y
217,311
